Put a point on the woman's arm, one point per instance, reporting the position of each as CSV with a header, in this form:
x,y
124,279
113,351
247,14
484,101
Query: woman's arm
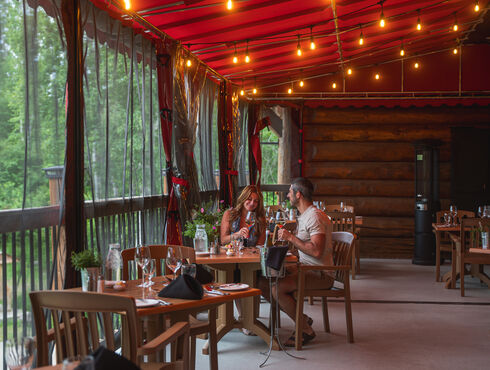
x,y
225,232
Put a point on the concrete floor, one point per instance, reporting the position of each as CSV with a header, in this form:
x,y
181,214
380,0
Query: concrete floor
x,y
403,319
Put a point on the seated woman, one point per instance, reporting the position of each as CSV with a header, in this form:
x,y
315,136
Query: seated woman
x,y
233,225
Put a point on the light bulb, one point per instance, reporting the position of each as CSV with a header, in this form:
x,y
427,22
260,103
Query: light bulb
x,y
235,59
455,27
254,90
477,6
247,59
189,63
361,39
349,71
455,51
312,45
299,52
334,85
419,25
301,83
290,91
242,92
229,5
127,4
416,65
382,22
402,52
376,76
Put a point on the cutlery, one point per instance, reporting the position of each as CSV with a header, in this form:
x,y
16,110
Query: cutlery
x,y
217,292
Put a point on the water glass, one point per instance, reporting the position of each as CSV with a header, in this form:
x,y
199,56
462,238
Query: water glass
x,y
172,261
189,269
149,271
79,363
19,353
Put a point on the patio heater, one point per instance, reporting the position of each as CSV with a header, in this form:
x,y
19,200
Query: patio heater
x,y
426,199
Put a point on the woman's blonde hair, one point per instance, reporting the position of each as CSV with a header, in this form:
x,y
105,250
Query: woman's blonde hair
x,y
236,211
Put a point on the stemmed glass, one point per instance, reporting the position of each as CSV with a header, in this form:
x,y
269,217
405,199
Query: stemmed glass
x,y
149,270
19,353
454,211
142,257
172,261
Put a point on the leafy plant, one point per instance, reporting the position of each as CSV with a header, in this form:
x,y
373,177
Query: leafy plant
x,y
84,259
208,216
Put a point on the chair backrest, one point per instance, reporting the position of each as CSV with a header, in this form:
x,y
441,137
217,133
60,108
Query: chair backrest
x,y
157,252
342,252
343,221
459,215
336,208
85,308
471,229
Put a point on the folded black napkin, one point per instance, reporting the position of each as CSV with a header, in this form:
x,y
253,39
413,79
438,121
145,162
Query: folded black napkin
x,y
275,257
107,359
184,287
203,275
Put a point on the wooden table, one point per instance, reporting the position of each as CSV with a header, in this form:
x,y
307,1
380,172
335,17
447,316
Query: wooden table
x,y
449,277
248,263
180,309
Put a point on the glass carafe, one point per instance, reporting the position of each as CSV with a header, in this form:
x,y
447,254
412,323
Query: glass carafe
x,y
201,239
113,263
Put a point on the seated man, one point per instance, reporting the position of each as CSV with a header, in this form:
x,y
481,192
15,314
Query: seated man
x,y
313,240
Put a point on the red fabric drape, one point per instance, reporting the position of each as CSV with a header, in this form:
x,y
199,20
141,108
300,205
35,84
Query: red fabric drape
x,y
165,79
225,137
255,143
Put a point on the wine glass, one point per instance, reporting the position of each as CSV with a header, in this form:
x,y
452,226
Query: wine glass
x,y
19,353
250,220
172,261
149,270
142,257
454,211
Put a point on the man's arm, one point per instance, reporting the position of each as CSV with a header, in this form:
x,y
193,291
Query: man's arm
x,y
314,247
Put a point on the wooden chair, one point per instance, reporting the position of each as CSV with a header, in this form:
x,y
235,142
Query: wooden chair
x,y
444,244
471,238
342,251
197,327
346,221
84,308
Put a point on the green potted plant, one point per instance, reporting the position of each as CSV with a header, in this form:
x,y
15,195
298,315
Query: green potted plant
x,y
88,262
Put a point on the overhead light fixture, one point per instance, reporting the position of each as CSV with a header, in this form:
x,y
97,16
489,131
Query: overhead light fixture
x,y
377,76
312,41
254,90
255,86
301,83
455,51
477,6
298,48
235,56
402,50
361,36
247,56
242,91
290,90
419,24
455,25
229,5
382,17
416,65
349,71
188,63
334,85
127,4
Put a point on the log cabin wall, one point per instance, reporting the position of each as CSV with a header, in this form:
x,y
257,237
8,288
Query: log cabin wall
x,y
364,156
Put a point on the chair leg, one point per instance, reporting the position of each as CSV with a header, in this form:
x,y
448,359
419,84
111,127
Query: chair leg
x,y
438,260
299,320
348,312
326,323
192,353
213,340
357,245
353,263
461,276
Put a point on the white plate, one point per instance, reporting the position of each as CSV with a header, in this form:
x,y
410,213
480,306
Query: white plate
x,y
202,254
234,286
140,303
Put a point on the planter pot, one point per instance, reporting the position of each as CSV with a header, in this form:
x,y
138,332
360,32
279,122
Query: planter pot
x,y
89,279
485,240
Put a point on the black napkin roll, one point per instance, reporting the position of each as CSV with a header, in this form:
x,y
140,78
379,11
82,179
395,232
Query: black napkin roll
x,y
275,257
184,287
203,275
107,359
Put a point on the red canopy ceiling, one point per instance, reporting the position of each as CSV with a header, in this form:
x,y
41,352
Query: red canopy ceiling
x,y
272,29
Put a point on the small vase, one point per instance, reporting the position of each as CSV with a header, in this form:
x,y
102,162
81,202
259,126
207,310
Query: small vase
x,y
89,279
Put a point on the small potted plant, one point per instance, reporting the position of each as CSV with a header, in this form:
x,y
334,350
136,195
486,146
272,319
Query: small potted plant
x,y
88,262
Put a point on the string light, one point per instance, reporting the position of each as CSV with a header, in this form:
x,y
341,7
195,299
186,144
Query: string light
x,y
235,56
247,56
455,51
377,76
477,6
298,48
242,91
334,85
127,4
349,71
312,42
361,36
255,86
382,17
188,63
402,50
416,65
301,83
254,90
229,5
419,25
455,25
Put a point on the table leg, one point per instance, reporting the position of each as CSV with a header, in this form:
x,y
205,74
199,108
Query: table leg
x,y
438,255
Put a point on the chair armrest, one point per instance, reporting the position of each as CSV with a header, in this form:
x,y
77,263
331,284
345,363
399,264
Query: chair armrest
x,y
168,336
323,267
